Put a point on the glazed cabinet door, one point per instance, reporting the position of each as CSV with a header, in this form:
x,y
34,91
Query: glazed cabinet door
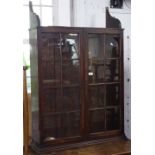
x,y
103,83
61,86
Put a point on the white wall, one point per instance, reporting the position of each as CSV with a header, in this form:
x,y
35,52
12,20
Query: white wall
x,y
91,13
61,12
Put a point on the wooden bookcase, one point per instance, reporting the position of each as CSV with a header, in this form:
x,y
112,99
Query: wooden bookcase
x,y
77,84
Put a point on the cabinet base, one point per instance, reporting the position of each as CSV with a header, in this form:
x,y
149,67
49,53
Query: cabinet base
x,y
48,149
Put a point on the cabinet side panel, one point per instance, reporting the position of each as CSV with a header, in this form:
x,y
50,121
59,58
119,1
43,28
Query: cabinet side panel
x,y
34,85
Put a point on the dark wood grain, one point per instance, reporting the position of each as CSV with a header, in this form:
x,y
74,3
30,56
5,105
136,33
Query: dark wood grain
x,y
115,147
34,18
25,113
112,22
77,84
61,87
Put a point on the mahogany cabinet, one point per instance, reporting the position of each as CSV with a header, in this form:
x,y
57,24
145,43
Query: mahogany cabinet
x,y
77,85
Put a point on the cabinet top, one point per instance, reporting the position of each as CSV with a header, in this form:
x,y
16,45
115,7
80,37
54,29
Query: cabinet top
x,y
112,23
63,29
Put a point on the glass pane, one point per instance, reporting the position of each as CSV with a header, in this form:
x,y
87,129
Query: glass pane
x,y
93,93
71,72
112,119
61,58
71,99
70,46
52,126
70,59
51,67
52,100
51,121
112,70
96,72
70,124
112,46
47,16
96,56
97,122
96,46
112,95
61,125
96,94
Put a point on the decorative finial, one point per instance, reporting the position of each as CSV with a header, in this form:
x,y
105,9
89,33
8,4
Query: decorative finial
x,y
112,22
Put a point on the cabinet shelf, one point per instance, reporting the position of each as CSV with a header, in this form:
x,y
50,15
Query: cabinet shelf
x,y
98,61
60,113
103,83
53,61
104,108
51,84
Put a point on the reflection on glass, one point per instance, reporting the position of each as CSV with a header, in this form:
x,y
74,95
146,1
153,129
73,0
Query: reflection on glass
x,y
95,46
101,69
70,46
51,59
112,70
96,56
61,74
112,46
71,72
70,59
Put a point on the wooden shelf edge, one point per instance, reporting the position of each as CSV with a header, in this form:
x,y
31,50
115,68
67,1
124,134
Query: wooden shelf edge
x,y
50,149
